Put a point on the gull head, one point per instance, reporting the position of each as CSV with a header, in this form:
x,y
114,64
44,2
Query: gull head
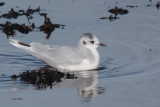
x,y
90,41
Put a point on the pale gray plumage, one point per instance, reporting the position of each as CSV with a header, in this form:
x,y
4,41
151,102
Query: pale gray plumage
x,y
83,57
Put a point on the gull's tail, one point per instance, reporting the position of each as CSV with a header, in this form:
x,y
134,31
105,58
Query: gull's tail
x,y
28,48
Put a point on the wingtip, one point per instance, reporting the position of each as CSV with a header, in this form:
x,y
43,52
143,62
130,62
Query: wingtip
x,y
18,43
13,40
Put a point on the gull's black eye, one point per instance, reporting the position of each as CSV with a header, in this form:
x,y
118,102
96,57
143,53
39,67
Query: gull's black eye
x,y
84,42
92,42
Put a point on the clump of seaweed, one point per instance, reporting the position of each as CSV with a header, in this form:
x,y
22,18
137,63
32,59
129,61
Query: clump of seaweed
x,y
43,77
9,28
48,27
11,14
2,3
15,14
115,11
111,18
131,6
158,5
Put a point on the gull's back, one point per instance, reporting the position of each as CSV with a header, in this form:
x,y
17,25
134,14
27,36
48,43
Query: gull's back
x,y
58,55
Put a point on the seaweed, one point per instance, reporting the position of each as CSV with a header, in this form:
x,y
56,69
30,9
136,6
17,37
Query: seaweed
x,y
9,28
115,11
2,3
10,14
131,6
111,18
48,27
43,77
158,5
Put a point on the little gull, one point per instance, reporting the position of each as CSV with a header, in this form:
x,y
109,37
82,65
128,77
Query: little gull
x,y
83,57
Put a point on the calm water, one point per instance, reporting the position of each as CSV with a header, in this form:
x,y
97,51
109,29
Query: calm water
x,y
132,58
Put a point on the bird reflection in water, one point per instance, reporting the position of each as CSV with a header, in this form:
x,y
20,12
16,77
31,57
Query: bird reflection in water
x,y
85,81
86,84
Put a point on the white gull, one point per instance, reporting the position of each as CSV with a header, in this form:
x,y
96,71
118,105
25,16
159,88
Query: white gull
x,y
83,57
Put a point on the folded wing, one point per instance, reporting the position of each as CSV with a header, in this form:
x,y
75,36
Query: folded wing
x,y
52,55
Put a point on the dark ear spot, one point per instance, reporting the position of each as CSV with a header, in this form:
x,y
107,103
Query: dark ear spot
x,y
84,43
92,42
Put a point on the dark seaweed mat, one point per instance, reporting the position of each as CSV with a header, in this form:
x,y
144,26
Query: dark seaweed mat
x,y
115,11
158,5
43,77
2,3
120,11
10,28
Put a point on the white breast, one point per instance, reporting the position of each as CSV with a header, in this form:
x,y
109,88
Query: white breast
x,y
86,64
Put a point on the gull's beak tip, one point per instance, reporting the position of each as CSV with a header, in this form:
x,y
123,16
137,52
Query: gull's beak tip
x,y
101,44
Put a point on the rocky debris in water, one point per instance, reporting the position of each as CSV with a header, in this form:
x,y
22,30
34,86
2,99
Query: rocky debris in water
x,y
9,28
2,3
117,11
43,77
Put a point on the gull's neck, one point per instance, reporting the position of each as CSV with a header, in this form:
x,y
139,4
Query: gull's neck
x,y
94,54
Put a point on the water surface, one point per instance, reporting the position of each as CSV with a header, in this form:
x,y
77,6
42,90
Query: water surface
x,y
132,58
